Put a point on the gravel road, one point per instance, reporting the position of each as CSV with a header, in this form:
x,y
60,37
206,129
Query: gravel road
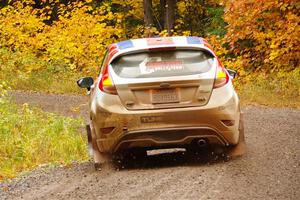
x,y
269,169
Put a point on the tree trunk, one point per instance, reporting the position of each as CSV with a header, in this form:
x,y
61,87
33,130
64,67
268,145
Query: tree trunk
x,y
148,17
169,19
162,13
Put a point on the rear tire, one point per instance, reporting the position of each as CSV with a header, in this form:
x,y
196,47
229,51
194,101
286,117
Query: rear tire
x,y
130,158
134,154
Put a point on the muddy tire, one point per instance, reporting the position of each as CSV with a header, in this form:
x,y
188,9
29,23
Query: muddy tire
x,y
89,139
139,154
129,158
134,154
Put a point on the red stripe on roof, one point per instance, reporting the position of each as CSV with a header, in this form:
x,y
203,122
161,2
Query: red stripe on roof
x,y
111,54
159,41
112,47
208,46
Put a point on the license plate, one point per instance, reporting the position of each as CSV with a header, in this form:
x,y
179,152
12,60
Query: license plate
x,y
165,96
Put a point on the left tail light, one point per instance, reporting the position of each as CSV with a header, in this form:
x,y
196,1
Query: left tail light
x,y
221,77
106,83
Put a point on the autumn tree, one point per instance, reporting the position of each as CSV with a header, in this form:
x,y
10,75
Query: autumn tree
x,y
193,15
265,34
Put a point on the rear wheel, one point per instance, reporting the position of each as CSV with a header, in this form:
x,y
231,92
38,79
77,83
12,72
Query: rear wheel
x,y
130,158
134,154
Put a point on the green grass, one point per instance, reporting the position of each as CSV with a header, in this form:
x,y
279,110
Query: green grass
x,y
44,81
274,90
30,137
255,94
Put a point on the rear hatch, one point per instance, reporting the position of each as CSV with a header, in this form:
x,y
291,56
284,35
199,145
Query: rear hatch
x,y
164,79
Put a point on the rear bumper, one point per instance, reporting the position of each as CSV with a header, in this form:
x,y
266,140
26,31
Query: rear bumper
x,y
170,137
166,127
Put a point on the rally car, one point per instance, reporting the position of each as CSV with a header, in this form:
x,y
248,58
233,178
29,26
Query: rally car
x,y
163,92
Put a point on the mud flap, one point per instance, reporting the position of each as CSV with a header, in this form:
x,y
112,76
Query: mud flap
x,y
98,157
89,137
239,149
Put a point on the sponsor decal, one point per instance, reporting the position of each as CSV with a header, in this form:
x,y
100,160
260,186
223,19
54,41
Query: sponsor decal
x,y
194,40
151,119
125,44
152,65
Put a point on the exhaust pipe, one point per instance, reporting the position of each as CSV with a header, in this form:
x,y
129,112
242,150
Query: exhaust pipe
x,y
201,143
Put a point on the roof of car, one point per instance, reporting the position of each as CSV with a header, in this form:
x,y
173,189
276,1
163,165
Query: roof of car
x,y
118,48
160,42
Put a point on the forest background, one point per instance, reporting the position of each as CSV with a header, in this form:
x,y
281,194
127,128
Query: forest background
x,y
46,45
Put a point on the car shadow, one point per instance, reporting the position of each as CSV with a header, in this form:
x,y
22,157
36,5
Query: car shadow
x,y
170,159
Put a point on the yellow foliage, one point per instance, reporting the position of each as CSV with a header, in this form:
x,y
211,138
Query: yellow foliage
x,y
262,36
264,33
78,38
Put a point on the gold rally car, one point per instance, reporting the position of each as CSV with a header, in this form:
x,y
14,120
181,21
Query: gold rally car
x,y
165,92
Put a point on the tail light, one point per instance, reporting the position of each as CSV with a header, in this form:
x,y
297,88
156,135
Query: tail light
x,y
106,83
163,49
221,77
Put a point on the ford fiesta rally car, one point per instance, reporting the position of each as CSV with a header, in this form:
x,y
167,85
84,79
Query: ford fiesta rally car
x,y
164,92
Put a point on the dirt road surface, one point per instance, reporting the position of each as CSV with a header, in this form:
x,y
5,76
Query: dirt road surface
x,y
269,170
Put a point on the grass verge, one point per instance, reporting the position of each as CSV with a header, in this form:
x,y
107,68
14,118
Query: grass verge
x,y
30,137
273,90
43,81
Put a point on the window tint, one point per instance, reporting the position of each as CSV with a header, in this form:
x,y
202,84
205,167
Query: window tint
x,y
163,64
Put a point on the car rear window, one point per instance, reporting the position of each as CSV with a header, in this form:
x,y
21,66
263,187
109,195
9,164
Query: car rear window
x,y
162,63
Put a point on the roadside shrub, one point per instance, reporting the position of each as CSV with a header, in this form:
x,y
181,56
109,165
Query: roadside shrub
x,y
77,39
15,68
264,34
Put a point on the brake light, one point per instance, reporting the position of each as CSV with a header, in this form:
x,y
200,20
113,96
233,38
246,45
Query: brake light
x,y
162,49
106,84
221,77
